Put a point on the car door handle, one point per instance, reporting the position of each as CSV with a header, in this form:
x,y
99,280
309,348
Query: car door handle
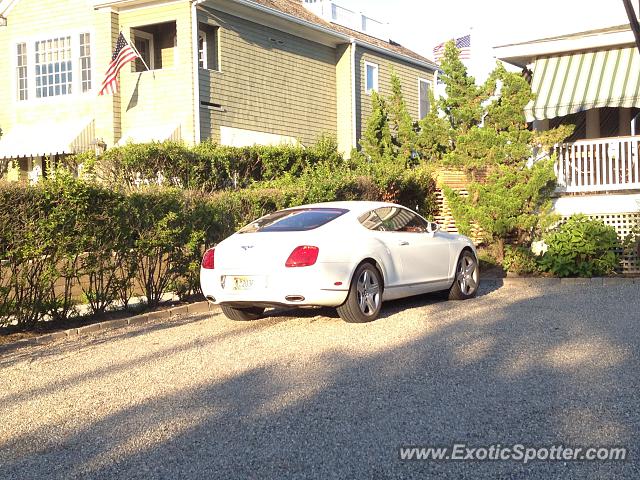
x,y
402,243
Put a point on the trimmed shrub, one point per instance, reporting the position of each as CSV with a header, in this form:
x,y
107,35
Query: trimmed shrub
x,y
581,247
206,166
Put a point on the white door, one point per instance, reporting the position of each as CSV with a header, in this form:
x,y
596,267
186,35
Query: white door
x,y
424,256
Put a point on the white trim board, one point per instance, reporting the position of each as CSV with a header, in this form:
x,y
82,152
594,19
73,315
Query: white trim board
x,y
597,204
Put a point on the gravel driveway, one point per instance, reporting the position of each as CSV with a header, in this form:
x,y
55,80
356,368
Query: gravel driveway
x,y
304,395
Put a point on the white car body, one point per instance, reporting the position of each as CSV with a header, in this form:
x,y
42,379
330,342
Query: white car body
x,y
249,268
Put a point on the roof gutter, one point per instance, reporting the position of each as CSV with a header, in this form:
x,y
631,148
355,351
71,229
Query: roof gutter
x,y
354,92
333,33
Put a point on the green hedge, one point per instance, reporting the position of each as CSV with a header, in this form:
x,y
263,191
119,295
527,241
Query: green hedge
x,y
207,166
67,241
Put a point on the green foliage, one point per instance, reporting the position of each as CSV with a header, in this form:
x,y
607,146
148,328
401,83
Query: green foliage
x,y
508,198
513,203
580,247
402,126
463,101
520,260
434,138
362,179
207,166
376,141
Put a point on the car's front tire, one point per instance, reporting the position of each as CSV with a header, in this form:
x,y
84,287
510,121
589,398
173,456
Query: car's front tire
x,y
242,314
365,296
467,277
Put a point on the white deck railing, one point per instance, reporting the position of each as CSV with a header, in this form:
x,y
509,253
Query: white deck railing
x,y
600,164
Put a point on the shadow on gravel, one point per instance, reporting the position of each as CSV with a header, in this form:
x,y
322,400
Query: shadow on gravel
x,y
558,367
389,308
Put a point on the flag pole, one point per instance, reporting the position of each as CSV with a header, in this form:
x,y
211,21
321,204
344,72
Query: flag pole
x,y
133,46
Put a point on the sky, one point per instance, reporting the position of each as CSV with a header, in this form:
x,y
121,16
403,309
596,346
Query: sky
x,y
422,24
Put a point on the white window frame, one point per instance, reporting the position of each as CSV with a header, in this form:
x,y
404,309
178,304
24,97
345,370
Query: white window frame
x,y
91,78
429,88
202,34
376,77
18,69
152,48
215,29
76,84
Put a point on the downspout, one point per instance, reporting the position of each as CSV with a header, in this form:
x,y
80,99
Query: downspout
x,y
354,90
196,70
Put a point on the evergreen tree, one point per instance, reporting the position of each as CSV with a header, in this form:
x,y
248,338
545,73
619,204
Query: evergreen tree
x,y
512,201
376,141
402,127
463,101
434,134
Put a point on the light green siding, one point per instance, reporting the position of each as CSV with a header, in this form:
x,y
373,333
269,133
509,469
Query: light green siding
x,y
269,81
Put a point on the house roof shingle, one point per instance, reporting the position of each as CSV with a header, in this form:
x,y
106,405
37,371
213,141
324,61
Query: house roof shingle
x,y
296,9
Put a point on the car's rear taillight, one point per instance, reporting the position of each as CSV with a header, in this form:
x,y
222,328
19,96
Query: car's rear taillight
x,y
303,256
208,259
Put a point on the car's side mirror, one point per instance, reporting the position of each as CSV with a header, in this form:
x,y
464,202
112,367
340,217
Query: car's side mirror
x,y
433,227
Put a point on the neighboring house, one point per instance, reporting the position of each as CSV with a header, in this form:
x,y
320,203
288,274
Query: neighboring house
x,y
238,72
592,80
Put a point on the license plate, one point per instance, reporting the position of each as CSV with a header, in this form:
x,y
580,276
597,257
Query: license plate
x,y
243,283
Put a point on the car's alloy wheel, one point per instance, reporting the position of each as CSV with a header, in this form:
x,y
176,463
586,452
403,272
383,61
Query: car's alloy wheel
x,y
242,314
467,277
365,296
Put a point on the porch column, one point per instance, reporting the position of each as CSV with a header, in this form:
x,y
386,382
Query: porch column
x,y
593,123
624,128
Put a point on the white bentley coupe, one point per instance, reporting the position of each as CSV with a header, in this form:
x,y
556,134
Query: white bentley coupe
x,y
349,255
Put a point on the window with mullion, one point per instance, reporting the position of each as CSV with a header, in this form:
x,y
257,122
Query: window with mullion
x,y
21,71
53,67
424,103
85,62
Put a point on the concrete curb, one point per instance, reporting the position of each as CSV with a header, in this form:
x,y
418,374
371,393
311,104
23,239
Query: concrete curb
x,y
543,281
197,307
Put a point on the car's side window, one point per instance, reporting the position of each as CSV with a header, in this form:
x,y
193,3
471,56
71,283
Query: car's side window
x,y
394,219
371,220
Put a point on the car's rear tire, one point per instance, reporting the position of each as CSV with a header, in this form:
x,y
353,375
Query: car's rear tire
x,y
365,296
467,277
242,314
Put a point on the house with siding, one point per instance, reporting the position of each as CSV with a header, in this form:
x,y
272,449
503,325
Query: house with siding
x,y
591,80
237,72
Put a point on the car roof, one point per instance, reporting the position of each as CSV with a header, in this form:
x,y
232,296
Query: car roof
x,y
355,206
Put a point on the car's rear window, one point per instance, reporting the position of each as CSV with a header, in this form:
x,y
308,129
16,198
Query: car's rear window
x,y
294,220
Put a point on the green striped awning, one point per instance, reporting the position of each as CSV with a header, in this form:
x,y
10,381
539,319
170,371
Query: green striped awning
x,y
572,83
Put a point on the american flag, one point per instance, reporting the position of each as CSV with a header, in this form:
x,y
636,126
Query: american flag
x,y
463,44
122,55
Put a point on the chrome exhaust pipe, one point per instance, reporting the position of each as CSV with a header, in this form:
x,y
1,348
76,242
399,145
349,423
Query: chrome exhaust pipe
x,y
294,298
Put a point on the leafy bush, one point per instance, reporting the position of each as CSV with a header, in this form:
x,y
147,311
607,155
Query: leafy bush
x,y
520,260
206,166
580,247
